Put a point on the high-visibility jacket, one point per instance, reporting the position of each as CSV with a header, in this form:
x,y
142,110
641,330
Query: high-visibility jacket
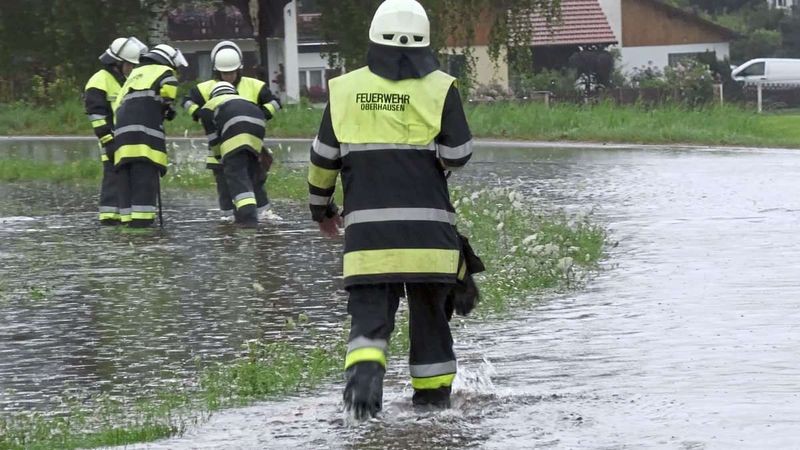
x,y
251,89
233,123
388,140
99,94
139,115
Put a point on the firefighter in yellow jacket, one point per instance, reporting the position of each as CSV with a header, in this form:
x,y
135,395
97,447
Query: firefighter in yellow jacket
x,y
140,149
393,129
101,90
238,128
226,61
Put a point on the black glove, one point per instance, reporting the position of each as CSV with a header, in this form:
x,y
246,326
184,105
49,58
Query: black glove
x,y
465,295
196,115
169,113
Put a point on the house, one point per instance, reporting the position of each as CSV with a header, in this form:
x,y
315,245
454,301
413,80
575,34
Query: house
x,y
645,32
654,33
196,28
783,4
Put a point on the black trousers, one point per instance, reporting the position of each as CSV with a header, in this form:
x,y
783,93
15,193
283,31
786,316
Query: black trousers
x,y
372,309
138,183
258,178
109,202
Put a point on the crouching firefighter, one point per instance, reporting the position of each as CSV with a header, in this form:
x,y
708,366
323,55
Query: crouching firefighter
x,y
237,129
101,91
139,150
226,61
392,129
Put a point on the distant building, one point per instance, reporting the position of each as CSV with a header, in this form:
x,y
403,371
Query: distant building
x,y
654,33
196,29
783,4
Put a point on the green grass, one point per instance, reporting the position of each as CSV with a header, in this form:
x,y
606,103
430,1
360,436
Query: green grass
x,y
529,121
526,252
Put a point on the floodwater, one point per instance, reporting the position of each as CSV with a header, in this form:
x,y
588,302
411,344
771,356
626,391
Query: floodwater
x,y
690,337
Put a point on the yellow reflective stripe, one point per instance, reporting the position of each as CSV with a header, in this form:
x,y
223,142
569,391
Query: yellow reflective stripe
x,y
239,204
321,178
433,382
400,260
462,271
109,216
140,150
125,218
271,108
368,354
99,123
169,91
215,149
193,108
106,139
237,141
212,160
103,157
143,215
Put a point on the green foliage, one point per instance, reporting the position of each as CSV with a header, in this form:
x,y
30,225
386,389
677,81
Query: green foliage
x,y
692,80
758,43
453,24
559,82
61,39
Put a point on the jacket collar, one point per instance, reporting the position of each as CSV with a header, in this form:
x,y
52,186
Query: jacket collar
x,y
395,63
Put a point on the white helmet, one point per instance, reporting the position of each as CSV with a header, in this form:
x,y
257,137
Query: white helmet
x,y
400,23
167,54
223,88
125,49
226,57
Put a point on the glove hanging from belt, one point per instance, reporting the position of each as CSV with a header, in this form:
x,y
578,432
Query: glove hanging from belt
x,y
265,159
465,295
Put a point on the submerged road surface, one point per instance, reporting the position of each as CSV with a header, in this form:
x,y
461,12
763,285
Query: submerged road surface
x,y
689,339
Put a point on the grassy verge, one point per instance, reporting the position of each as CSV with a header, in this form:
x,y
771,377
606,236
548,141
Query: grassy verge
x,y
599,123
525,252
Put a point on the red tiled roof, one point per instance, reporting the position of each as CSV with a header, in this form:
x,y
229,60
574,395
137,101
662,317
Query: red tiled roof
x,y
582,22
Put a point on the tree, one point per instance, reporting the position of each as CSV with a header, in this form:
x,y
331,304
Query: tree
x,y
453,24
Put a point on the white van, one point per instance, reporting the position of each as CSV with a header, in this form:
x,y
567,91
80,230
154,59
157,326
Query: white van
x,y
769,71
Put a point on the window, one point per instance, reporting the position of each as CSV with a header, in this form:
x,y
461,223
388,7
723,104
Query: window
x,y
677,58
753,70
457,65
316,79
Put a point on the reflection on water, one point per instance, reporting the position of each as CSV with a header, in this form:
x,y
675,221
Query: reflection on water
x,y
689,340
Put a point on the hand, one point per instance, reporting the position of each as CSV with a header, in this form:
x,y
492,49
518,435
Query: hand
x,y
169,113
329,227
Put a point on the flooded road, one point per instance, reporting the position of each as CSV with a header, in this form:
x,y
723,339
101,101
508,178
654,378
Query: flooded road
x,y
689,339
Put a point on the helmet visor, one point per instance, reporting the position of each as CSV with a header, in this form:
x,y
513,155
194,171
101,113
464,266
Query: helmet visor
x,y
180,60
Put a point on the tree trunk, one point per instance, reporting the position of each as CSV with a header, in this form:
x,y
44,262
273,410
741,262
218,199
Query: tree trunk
x,y
157,25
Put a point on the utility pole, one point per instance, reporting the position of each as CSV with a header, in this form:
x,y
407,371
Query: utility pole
x,y
291,60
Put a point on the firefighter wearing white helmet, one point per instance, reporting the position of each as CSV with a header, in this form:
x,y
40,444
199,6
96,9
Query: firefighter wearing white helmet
x,y
139,152
227,64
236,126
392,129
99,94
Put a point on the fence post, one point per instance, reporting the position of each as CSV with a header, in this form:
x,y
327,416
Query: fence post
x,y
760,98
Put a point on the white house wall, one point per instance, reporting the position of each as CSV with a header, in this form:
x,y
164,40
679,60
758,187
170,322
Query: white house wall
x,y
613,11
658,56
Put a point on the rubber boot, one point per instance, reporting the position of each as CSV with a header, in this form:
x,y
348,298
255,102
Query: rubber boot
x,y
438,398
110,222
363,393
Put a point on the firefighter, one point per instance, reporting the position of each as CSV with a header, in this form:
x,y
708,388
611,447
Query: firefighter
x,y
139,151
226,61
393,129
101,90
237,126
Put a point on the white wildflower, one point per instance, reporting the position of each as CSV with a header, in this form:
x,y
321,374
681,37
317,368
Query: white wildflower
x,y
529,239
500,226
474,196
513,249
564,264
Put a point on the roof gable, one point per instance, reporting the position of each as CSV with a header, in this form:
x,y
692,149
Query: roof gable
x,y
582,22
